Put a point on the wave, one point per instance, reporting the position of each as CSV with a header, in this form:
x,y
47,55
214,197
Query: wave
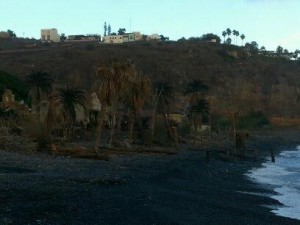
x,y
283,177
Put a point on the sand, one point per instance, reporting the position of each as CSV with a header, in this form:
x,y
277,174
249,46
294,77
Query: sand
x,y
138,189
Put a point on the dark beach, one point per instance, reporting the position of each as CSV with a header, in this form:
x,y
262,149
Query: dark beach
x,y
138,189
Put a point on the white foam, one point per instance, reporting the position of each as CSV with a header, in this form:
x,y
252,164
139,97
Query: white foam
x,y
290,198
284,177
255,193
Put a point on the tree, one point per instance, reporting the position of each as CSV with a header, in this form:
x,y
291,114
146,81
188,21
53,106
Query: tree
x,y
209,37
63,37
18,86
243,37
40,84
195,90
228,41
295,55
263,49
197,111
163,38
236,34
11,34
224,34
183,39
137,94
163,95
252,47
52,115
285,51
112,80
279,50
144,37
228,31
121,31
71,99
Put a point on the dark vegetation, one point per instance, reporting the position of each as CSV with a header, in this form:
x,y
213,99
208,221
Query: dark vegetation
x,y
269,84
17,85
238,89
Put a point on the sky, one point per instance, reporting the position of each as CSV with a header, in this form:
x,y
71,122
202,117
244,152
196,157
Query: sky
x,y
268,22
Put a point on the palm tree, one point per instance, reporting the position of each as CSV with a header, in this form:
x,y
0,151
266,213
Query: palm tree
x,y
194,90
224,33
71,99
165,96
52,115
40,84
243,37
138,94
196,112
228,31
236,34
113,79
161,100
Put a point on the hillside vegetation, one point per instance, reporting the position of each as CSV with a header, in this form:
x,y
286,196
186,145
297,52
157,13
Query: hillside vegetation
x,y
237,79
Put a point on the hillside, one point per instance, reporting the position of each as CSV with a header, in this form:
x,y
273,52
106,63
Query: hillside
x,y
251,83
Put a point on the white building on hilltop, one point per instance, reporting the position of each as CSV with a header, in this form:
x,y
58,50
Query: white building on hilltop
x,y
123,38
50,35
153,37
113,39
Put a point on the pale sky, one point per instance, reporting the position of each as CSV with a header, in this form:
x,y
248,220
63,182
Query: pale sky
x,y
268,22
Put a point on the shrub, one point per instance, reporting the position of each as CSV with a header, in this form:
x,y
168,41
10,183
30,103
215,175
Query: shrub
x,y
160,133
37,132
219,123
18,87
89,47
253,120
184,127
12,142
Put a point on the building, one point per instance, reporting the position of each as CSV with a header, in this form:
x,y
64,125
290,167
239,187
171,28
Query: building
x,y
4,35
124,38
50,35
153,37
137,36
128,37
113,39
84,38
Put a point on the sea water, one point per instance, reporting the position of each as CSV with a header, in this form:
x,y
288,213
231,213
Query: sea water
x,y
283,177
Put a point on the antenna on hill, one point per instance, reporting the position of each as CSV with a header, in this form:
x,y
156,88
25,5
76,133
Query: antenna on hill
x,y
105,28
130,25
109,29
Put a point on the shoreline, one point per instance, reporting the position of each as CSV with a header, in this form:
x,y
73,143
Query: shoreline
x,y
136,189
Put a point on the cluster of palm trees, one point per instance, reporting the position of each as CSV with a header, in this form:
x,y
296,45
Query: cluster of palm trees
x,y
62,103
236,33
123,92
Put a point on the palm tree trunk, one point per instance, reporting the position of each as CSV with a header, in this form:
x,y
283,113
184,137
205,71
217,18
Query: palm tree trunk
x,y
118,123
112,129
169,130
152,125
99,127
130,126
38,99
